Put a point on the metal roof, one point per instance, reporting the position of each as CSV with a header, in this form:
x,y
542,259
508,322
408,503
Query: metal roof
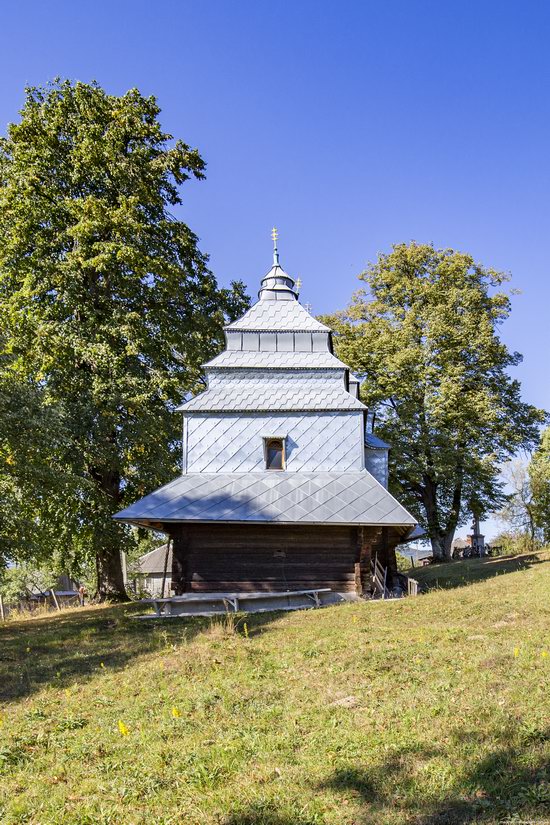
x,y
276,360
278,315
277,395
374,443
277,497
153,562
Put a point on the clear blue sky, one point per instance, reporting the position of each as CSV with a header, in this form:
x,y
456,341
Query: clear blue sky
x,y
349,125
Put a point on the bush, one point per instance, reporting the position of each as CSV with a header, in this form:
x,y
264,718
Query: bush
x,y
513,543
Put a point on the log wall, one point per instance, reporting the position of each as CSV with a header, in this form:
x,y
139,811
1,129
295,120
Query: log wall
x,y
248,557
266,557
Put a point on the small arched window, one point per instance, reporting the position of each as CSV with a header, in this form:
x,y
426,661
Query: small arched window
x,y
274,453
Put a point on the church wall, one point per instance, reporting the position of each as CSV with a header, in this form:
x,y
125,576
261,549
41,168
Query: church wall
x,y
233,442
252,557
255,380
237,557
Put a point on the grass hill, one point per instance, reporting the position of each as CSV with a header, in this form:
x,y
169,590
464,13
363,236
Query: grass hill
x,y
428,710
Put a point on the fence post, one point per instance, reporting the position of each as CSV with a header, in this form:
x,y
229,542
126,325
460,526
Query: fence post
x,y
52,591
2,613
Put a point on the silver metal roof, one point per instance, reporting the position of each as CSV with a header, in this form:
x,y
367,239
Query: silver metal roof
x,y
153,562
276,360
277,395
278,315
280,497
374,443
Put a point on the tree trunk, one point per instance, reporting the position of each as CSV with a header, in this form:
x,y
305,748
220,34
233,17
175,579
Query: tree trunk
x,y
441,537
429,500
442,545
110,581
108,543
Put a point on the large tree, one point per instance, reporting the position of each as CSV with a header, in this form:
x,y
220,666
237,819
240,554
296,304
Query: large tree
x,y
539,475
107,306
519,512
424,335
34,479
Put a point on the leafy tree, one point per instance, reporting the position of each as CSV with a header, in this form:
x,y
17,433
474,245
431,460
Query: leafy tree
x,y
519,511
107,306
425,338
539,474
512,543
20,582
33,478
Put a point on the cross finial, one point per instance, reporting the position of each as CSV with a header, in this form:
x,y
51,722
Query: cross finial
x,y
275,237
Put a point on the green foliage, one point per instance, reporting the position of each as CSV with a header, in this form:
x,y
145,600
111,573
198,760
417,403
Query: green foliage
x,y
423,710
107,309
519,511
18,582
539,475
514,543
34,479
403,561
424,336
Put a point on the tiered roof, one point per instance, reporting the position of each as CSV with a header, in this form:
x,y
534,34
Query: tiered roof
x,y
307,498
278,359
277,335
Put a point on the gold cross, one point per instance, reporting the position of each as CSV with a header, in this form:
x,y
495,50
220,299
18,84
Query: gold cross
x,y
274,235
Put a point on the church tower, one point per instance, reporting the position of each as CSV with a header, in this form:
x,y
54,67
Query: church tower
x,y
275,491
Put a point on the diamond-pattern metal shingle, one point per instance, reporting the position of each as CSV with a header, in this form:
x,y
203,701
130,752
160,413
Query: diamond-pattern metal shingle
x,y
274,397
278,315
275,360
233,442
304,498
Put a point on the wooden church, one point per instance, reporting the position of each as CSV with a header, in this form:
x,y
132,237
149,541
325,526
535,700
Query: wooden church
x,y
283,484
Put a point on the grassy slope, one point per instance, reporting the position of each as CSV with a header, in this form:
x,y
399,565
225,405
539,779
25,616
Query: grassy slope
x,y
445,717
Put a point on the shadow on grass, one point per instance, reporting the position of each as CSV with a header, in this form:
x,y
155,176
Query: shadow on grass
x,y
462,572
267,815
61,649
505,784
509,784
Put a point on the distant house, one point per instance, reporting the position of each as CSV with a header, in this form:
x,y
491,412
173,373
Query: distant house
x,y
459,545
151,569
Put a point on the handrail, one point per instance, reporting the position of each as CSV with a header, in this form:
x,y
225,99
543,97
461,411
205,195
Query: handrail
x,y
380,577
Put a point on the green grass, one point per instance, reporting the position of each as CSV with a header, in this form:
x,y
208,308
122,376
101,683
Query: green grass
x,y
466,571
427,711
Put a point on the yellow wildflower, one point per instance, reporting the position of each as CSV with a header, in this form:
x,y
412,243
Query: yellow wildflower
x,y
544,654
245,628
122,728
101,664
516,652
176,712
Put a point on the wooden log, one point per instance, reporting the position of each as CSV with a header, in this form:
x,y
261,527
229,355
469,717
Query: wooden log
x,y
263,586
165,569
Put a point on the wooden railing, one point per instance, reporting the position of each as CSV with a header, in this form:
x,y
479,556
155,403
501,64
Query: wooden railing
x,y
412,587
379,578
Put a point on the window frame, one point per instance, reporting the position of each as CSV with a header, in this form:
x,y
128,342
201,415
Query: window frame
x,y
281,439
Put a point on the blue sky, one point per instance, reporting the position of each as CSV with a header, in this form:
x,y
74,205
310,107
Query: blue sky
x,y
349,125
